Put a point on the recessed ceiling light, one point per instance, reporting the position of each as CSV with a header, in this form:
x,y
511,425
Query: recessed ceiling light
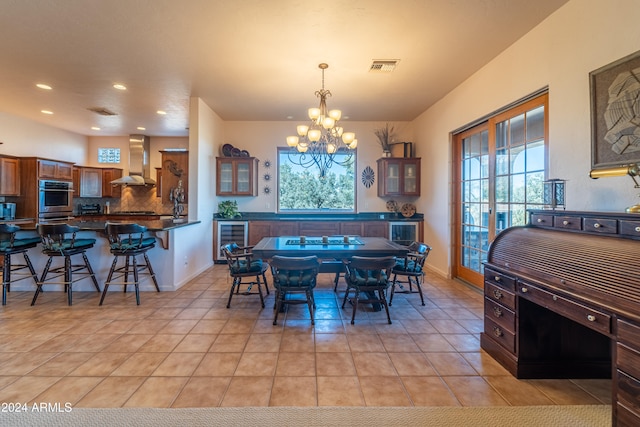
x,y
46,112
141,128
161,112
289,117
95,128
120,86
43,86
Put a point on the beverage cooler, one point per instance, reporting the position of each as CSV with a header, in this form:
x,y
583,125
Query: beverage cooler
x,y
404,232
227,232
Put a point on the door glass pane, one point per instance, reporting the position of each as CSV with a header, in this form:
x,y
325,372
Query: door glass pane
x,y
502,161
393,178
243,177
517,188
516,133
226,178
535,124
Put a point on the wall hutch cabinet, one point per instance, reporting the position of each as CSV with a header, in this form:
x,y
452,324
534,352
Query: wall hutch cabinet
x,y
398,176
236,176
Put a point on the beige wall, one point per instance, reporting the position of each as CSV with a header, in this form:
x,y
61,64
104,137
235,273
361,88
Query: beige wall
x,y
580,37
22,137
261,140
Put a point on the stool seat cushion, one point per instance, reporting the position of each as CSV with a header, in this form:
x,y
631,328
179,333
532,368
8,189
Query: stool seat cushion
x,y
19,244
410,267
242,266
132,244
368,278
65,244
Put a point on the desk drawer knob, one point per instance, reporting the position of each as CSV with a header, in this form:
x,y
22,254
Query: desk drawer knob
x,y
497,294
591,318
497,312
496,278
565,222
498,332
524,289
540,220
596,225
638,229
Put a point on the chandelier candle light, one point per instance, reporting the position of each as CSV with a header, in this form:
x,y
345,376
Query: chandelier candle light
x,y
319,142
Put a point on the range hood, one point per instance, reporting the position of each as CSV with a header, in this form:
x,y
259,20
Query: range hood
x,y
139,170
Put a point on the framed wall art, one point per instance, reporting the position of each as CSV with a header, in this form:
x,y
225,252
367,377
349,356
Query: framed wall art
x,y
615,113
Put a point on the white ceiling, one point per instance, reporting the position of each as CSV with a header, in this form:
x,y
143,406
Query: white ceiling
x,y
251,60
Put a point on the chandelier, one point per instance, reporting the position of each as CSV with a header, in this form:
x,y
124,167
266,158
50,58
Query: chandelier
x,y
322,143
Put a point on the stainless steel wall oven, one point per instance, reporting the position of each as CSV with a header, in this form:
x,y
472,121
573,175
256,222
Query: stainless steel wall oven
x,y
55,198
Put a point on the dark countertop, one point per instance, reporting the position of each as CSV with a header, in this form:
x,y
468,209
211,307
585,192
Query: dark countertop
x,y
300,216
152,225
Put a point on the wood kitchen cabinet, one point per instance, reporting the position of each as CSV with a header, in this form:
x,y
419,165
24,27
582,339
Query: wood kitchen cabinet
x,y
398,176
96,182
236,176
108,189
9,176
175,167
53,169
260,229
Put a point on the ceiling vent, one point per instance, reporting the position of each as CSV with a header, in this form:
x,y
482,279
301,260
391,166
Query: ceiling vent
x,y
102,111
383,66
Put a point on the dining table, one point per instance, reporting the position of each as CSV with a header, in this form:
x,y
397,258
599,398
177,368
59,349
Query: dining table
x,y
327,247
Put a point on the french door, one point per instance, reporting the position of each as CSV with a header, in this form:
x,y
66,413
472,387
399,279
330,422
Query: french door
x,y
500,168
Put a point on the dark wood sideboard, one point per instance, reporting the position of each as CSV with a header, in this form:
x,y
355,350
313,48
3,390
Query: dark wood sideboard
x,y
562,300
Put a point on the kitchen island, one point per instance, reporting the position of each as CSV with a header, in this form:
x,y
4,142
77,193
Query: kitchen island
x,y
166,257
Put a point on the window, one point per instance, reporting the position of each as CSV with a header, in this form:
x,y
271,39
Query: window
x,y
301,189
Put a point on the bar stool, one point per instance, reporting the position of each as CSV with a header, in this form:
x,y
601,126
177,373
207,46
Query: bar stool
x,y
56,244
128,241
9,245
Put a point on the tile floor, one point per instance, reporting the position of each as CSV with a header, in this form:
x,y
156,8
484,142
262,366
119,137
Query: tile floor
x,y
186,349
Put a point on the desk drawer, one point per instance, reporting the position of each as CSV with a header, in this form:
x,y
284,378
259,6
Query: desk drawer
x,y
500,294
629,228
500,279
542,220
600,225
500,335
568,222
628,360
625,417
584,315
500,314
628,391
629,333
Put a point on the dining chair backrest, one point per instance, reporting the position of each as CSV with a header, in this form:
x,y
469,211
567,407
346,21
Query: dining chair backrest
x,y
415,259
370,271
294,271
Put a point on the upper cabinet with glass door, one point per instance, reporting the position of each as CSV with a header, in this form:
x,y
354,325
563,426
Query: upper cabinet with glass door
x,y
398,176
236,176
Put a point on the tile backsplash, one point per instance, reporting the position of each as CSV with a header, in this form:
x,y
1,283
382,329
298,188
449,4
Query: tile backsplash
x,y
134,198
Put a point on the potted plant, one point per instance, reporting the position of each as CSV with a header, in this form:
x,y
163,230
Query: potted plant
x,y
228,209
385,137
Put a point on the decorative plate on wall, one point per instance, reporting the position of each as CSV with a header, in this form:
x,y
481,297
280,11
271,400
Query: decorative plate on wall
x,y
266,190
368,177
266,177
266,164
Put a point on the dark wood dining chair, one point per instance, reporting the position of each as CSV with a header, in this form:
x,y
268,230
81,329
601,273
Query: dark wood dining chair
x,y
411,268
242,265
368,276
294,275
9,246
